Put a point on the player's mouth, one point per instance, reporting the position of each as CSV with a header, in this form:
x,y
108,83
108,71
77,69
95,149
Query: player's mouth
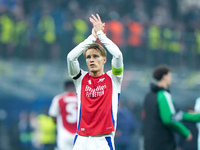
x,y
92,65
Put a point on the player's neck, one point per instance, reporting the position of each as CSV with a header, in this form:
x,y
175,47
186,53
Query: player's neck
x,y
162,84
96,73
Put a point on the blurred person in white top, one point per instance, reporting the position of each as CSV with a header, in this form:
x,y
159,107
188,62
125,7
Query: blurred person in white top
x,y
63,110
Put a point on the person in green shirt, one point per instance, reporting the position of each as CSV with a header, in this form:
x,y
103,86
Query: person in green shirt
x,y
160,118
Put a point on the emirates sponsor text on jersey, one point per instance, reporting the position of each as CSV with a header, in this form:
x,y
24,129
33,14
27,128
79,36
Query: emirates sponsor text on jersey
x,y
98,91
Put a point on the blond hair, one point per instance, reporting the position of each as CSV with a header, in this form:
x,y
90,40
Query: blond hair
x,y
97,47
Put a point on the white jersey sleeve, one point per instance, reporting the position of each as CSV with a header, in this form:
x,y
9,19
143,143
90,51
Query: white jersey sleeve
x,y
54,108
72,57
117,60
197,105
197,109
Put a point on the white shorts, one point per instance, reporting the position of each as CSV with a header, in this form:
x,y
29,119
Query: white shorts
x,y
65,144
104,142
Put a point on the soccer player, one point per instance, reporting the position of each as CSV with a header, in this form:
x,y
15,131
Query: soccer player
x,y
97,91
63,110
160,116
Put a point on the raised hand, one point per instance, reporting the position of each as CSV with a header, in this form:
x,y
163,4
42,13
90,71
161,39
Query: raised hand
x,y
94,33
97,23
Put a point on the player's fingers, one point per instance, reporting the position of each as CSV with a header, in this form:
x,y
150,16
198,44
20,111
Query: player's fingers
x,y
94,17
98,17
92,21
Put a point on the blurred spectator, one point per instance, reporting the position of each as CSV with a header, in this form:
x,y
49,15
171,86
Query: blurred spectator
x,y
34,128
46,33
45,131
25,131
6,35
114,29
20,35
4,134
126,125
80,29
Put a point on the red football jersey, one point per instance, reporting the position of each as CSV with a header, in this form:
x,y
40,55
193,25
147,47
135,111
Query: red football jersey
x,y
96,114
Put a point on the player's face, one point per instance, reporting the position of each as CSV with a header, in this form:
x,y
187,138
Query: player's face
x,y
94,60
168,78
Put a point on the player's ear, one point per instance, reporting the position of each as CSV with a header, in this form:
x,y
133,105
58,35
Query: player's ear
x,y
105,59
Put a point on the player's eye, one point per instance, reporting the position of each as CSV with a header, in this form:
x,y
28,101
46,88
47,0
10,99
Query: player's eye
x,y
96,56
88,56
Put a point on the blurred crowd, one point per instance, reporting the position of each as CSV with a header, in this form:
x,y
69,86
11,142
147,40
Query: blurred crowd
x,y
48,30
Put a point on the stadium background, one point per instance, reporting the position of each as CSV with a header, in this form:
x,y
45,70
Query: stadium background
x,y
35,37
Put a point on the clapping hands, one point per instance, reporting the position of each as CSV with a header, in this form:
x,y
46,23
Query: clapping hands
x,y
97,24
